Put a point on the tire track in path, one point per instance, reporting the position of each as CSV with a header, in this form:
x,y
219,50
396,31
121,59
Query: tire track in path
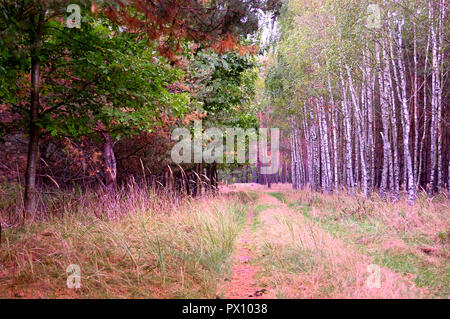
x,y
242,283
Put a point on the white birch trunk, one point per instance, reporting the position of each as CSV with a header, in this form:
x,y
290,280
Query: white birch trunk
x,y
348,136
333,115
385,123
360,135
435,83
405,116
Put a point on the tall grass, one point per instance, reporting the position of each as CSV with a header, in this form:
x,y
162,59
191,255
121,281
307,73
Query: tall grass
x,y
413,241
135,243
300,260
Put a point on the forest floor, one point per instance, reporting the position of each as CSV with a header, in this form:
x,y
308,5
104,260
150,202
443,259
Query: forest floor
x,y
249,242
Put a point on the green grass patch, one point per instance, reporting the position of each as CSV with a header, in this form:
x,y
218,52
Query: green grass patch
x,y
263,207
256,223
279,196
289,258
435,277
253,195
366,233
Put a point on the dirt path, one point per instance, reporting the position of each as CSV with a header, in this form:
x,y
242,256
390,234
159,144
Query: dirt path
x,y
242,283
330,260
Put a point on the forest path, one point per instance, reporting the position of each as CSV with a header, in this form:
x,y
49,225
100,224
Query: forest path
x,y
283,254
242,283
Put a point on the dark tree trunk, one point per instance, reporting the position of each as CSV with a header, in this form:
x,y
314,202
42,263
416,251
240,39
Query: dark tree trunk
x,y
246,170
214,177
34,131
289,174
33,145
109,162
255,175
209,173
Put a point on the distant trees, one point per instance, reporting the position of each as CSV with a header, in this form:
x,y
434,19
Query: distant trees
x,y
370,107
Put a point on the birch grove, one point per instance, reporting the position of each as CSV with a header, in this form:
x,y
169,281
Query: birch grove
x,y
371,99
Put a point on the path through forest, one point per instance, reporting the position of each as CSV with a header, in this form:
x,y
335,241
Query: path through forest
x,y
282,254
242,283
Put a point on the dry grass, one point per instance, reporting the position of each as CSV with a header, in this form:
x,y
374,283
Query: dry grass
x,y
301,260
135,244
139,244
413,242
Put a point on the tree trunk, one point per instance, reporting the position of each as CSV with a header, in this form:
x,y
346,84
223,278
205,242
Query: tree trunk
x,y
360,135
33,145
333,115
367,99
435,83
385,123
315,149
309,152
323,171
416,112
34,131
283,173
347,129
109,162
326,150
293,155
405,118
440,79
389,87
425,110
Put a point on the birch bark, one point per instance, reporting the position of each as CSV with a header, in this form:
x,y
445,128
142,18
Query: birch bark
x,y
385,124
360,134
347,129
405,115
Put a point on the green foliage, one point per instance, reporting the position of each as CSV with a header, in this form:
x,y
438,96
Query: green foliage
x,y
123,83
225,84
279,196
96,78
